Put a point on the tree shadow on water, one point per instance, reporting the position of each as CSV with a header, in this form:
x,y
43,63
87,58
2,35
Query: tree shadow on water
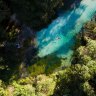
x,y
45,65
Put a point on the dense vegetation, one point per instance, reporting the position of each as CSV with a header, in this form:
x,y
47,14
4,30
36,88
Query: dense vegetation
x,y
43,78
78,79
39,12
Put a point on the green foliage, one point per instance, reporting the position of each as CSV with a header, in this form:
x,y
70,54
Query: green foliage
x,y
2,91
88,89
23,90
73,79
79,79
45,65
39,86
37,69
45,85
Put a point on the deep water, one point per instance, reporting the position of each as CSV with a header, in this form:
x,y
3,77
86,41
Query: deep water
x,y
59,37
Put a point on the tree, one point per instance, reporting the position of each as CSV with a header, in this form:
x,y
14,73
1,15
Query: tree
x,y
39,12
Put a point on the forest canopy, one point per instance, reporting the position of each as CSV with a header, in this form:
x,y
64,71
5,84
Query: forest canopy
x,y
23,73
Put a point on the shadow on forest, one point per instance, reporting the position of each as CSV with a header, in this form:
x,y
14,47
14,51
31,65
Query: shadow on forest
x,y
10,60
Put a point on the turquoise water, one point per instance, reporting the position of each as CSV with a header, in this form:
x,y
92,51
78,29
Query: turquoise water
x,y
58,37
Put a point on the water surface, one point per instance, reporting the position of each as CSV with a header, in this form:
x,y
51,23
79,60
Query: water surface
x,y
58,37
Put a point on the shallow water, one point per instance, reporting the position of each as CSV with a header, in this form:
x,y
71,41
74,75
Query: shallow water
x,y
58,37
